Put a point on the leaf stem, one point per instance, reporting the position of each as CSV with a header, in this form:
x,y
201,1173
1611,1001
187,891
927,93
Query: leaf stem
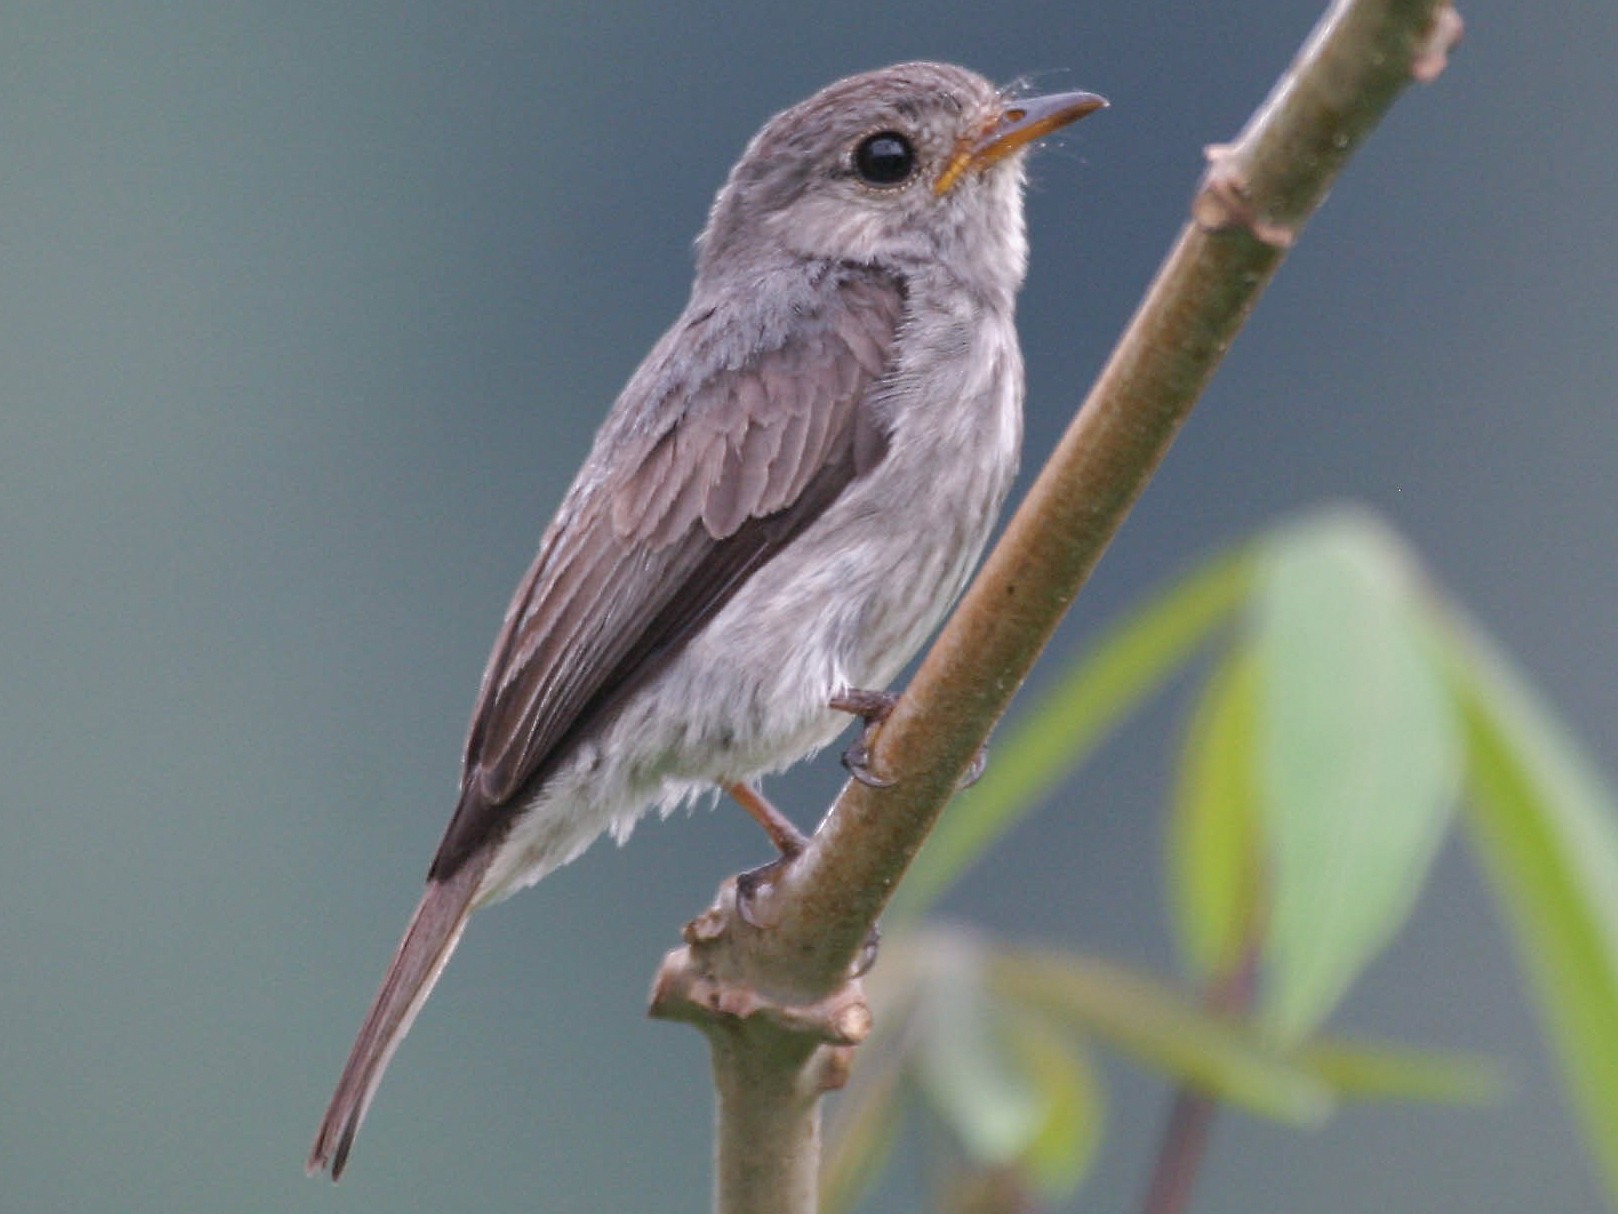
x,y
1185,1136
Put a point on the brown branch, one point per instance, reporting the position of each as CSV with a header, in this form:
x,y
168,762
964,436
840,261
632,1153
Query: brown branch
x,y
1248,210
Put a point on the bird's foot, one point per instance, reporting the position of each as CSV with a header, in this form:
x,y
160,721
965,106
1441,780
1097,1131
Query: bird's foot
x,y
749,883
788,840
873,707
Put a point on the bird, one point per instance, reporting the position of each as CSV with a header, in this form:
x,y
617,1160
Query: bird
x,y
777,511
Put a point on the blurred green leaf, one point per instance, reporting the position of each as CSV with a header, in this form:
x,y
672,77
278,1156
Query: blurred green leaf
x,y
1365,1071
1100,690
869,1115
1041,1105
1547,828
1359,756
1162,1028
1060,1152
964,1062
1213,841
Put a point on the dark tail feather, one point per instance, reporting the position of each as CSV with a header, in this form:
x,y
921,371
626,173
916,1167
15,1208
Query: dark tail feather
x,y
434,931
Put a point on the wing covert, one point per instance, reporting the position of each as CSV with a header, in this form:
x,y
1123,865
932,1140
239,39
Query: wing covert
x,y
642,556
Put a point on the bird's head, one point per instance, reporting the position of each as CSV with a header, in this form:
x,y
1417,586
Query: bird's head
x,y
917,164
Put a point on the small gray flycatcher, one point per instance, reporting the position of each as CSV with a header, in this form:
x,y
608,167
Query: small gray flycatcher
x,y
777,512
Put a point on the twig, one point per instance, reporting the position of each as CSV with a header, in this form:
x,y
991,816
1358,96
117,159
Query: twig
x,y
1249,209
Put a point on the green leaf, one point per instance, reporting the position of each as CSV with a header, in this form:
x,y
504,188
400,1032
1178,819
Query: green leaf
x,y
1032,1104
1216,885
1546,825
1059,1154
1359,757
869,1116
963,1062
1163,1029
1069,722
1364,1071
868,1113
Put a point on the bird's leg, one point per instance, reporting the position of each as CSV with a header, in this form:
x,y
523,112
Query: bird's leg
x,y
873,707
788,840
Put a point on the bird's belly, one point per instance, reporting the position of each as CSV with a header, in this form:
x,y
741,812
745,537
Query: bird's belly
x,y
847,605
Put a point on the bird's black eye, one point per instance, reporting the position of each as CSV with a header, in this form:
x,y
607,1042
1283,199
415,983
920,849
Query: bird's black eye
x,y
885,158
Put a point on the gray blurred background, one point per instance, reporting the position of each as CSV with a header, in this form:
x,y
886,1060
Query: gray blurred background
x,y
308,314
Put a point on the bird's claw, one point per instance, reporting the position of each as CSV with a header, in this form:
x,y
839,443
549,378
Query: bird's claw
x,y
747,886
749,883
873,707
857,759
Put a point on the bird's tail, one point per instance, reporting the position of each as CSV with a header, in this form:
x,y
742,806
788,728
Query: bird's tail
x,y
434,931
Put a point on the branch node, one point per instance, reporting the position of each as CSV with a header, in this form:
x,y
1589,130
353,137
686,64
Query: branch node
x,y
706,983
829,1069
1432,57
1223,201
706,928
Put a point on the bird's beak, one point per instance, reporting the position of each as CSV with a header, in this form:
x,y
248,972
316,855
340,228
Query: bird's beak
x,y
1019,123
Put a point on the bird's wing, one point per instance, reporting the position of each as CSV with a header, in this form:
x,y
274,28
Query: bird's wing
x,y
642,556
